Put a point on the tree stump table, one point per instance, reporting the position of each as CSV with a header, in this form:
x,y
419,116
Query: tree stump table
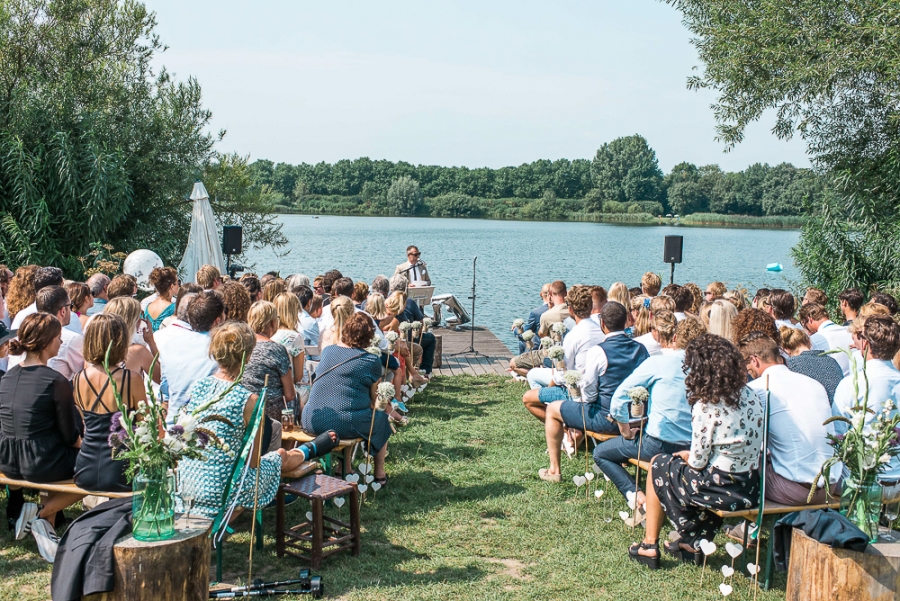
x,y
819,573
172,570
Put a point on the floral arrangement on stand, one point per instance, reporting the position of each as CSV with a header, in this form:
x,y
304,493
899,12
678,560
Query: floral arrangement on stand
x,y
152,452
865,450
556,354
558,330
384,394
528,338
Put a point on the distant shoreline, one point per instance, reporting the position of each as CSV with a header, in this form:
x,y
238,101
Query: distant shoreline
x,y
695,220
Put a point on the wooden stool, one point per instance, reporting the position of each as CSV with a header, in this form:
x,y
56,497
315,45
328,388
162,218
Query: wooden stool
x,y
307,540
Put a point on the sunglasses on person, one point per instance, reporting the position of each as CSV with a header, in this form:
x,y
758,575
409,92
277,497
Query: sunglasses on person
x,y
413,254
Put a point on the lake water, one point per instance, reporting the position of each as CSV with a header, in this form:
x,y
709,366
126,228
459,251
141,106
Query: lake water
x,y
515,258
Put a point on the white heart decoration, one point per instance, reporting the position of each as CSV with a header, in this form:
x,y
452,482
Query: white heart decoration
x,y
630,504
362,487
752,568
596,469
364,468
578,480
369,478
404,388
707,547
309,516
727,571
734,549
725,589
598,493
354,478
376,486
339,501
589,476
624,515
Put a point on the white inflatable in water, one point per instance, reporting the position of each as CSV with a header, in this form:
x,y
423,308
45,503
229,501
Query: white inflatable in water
x,y
139,264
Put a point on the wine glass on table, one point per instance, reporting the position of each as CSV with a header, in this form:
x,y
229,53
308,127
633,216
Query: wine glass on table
x,y
186,489
891,502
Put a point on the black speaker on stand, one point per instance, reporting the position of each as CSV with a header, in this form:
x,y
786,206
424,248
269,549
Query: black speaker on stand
x,y
672,253
232,244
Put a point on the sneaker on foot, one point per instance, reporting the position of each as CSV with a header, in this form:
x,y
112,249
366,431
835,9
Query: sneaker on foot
x,y
47,540
26,516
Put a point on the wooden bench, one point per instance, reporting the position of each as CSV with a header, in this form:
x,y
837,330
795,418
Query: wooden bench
x,y
67,486
345,447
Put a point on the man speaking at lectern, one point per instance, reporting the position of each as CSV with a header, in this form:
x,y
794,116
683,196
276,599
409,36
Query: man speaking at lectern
x,y
415,270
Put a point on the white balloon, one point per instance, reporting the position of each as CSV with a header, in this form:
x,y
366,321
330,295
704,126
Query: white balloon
x,y
139,264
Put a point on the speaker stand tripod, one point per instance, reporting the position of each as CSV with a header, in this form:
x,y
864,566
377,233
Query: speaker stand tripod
x,y
471,348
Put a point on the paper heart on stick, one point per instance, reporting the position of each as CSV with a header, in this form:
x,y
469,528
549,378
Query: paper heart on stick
x,y
339,501
598,493
579,480
362,487
354,478
364,468
596,469
727,571
734,549
624,515
309,516
752,568
726,589
589,476
369,478
707,547
376,486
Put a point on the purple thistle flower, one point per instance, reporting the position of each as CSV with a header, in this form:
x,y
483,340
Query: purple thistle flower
x,y
176,430
202,439
115,424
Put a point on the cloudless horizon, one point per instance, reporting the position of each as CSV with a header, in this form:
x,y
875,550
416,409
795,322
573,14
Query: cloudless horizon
x,y
460,83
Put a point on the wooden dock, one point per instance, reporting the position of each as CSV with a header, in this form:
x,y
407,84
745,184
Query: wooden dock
x,y
492,357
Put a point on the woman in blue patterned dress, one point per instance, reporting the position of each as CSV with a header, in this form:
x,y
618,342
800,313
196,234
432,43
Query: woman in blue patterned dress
x,y
344,390
208,477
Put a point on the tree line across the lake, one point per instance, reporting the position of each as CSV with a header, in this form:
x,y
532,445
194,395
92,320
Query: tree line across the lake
x,y
623,178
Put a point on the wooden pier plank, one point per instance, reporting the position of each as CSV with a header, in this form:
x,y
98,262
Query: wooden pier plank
x,y
492,358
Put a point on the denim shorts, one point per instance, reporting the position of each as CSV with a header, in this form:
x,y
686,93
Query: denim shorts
x,y
548,394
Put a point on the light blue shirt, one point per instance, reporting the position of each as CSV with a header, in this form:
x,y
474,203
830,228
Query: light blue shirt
x,y
669,415
309,329
884,384
99,305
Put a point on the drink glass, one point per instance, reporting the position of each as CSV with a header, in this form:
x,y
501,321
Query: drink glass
x,y
891,501
287,420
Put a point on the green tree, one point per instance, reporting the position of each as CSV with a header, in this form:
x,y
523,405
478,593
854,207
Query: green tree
x,y
454,205
94,144
626,170
831,71
404,196
688,197
593,201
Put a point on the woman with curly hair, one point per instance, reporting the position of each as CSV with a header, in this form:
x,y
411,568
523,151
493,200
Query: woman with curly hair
x,y
21,289
698,298
754,320
720,471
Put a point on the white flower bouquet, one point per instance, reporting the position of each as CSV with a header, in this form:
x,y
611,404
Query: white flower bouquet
x,y
571,378
405,326
384,395
556,352
639,397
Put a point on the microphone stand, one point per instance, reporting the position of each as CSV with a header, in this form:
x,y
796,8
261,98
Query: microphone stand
x,y
471,347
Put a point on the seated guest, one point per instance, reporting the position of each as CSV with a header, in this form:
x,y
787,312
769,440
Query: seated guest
x,y
184,349
294,282
534,319
684,300
650,284
229,344
715,291
165,281
694,289
20,294
44,277
721,314
798,437
341,286
598,296
668,428
723,461
758,301
412,312
850,300
308,324
736,298
878,339
640,317
251,283
619,292
606,366
95,469
209,277
381,285
143,346
882,298
122,285
69,359
82,300
781,306
272,289
270,359
360,294
99,282
657,304
814,295
753,320
584,336
558,311
237,301
825,335
39,427
802,359
340,310
288,306
344,390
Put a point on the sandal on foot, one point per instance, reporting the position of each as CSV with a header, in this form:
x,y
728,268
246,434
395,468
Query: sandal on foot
x,y
400,420
544,475
651,561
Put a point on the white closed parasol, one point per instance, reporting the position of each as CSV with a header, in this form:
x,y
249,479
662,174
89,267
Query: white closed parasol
x,y
203,247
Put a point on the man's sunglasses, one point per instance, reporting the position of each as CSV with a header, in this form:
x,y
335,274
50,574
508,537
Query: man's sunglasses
x,y
413,254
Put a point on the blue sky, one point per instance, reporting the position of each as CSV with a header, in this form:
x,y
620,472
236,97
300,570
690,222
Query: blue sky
x,y
487,83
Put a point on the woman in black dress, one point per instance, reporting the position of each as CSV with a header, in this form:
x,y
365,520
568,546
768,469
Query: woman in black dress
x,y
721,470
95,469
40,429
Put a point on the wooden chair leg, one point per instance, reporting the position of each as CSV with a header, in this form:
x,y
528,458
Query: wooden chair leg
x,y
219,560
259,529
348,459
279,522
354,520
318,511
770,553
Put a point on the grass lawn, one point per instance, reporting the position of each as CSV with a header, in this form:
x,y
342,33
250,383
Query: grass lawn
x,y
464,516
